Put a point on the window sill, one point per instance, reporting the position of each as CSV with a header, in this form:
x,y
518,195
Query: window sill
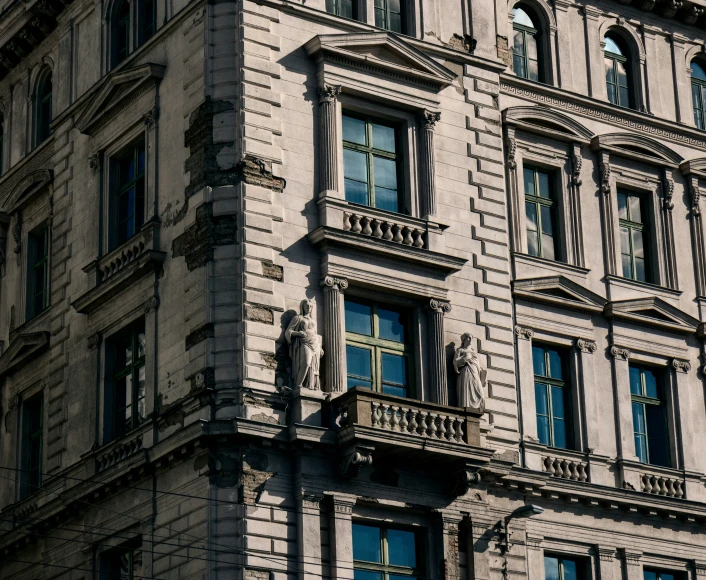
x,y
558,463
653,479
119,449
120,268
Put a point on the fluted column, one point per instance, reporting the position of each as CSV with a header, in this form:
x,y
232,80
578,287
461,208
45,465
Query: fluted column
x,y
428,197
328,140
334,334
437,354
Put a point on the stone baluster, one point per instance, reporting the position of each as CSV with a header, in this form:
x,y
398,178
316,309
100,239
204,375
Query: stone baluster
x,y
437,358
328,142
428,199
334,334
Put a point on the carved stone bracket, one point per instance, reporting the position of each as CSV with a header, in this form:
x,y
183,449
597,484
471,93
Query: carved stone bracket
x,y
523,332
586,346
668,191
94,341
605,174
632,558
17,232
151,304
464,480
150,117
430,119
681,366
510,147
94,162
354,459
576,164
606,554
621,353
695,197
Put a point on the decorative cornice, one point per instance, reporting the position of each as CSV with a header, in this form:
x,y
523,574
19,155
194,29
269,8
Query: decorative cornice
x,y
523,332
439,306
586,346
681,366
329,94
621,353
332,282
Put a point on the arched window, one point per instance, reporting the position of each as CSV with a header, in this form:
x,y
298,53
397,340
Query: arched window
x,y
525,49
43,109
698,94
617,72
122,32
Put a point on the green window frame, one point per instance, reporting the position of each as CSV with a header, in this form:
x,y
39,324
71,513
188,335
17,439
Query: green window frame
x,y
634,236
617,71
698,94
378,353
552,392
540,213
129,198
372,162
382,552
122,563
343,8
560,568
32,445
391,15
125,395
37,271
525,46
649,415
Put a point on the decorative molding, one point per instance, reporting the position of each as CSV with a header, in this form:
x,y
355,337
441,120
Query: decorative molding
x,y
311,501
94,341
150,117
576,164
695,197
151,304
329,93
668,190
94,162
681,366
430,119
534,543
511,151
524,333
606,554
354,459
586,346
333,282
464,481
604,167
632,558
621,353
439,306
17,232
342,506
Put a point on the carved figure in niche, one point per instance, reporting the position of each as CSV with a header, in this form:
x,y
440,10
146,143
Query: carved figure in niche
x,y
471,377
305,347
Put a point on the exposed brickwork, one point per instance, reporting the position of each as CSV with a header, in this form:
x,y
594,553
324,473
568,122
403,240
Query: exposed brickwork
x,y
198,242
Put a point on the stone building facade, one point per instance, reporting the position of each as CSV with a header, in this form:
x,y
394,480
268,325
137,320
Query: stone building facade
x,y
273,302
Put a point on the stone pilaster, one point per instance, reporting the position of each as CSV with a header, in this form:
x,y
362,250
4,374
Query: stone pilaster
x,y
623,404
608,222
334,334
428,197
633,568
309,536
437,352
450,569
342,537
328,141
670,266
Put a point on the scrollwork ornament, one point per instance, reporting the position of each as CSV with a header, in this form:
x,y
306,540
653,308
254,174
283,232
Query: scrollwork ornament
x,y
439,306
511,147
605,177
586,346
430,119
693,15
671,8
618,352
576,163
333,282
329,94
523,332
668,189
695,195
681,366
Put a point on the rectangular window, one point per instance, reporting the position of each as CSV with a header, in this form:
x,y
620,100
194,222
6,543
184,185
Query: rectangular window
x,y
558,568
124,563
37,271
128,203
697,96
390,15
540,208
649,416
663,575
552,396
32,445
371,163
633,236
377,350
384,553
345,8
125,381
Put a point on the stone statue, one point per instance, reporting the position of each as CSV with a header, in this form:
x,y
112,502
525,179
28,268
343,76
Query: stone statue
x,y
305,348
471,378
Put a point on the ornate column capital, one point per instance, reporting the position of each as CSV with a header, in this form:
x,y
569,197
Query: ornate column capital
x,y
618,352
150,117
333,282
439,306
681,366
430,118
329,93
632,558
523,332
342,505
94,341
586,346
311,500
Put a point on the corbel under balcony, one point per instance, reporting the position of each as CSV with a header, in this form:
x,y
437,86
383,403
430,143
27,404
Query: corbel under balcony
x,y
391,235
119,269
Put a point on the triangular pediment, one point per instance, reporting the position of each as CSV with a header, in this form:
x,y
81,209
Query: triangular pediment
x,y
23,350
383,51
558,291
653,312
117,89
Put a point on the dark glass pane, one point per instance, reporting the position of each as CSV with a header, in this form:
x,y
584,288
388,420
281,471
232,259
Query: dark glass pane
x,y
627,266
559,434
358,361
638,246
140,345
531,46
354,130
518,65
635,209
387,199
355,165
641,448
531,213
379,17
139,203
385,172
665,576
558,411
366,543
622,206
533,243
395,22
697,72
533,72
657,436
540,399
548,247
649,575
570,572
624,100
528,175
609,71
356,192
551,568
394,369
612,46
140,394
543,182
547,221
538,361
390,325
367,575
358,318
519,16
148,19
555,366
384,138
346,8
638,418
400,548
543,429
622,76
650,384
640,270
356,382
635,381
141,159
519,43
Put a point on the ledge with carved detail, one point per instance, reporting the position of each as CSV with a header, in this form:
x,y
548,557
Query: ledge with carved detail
x,y
558,463
394,235
661,481
120,268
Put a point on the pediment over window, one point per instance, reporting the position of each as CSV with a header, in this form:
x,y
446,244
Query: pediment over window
x,y
653,312
560,292
638,148
382,52
28,188
545,121
23,350
118,90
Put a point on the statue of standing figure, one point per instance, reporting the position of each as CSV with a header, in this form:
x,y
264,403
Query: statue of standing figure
x,y
305,348
471,377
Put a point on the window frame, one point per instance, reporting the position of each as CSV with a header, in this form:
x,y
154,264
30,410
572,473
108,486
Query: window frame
x,y
116,189
627,63
551,202
42,126
385,24
33,264
700,108
378,346
579,562
535,33
110,555
659,402
28,485
567,394
631,226
334,7
384,568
